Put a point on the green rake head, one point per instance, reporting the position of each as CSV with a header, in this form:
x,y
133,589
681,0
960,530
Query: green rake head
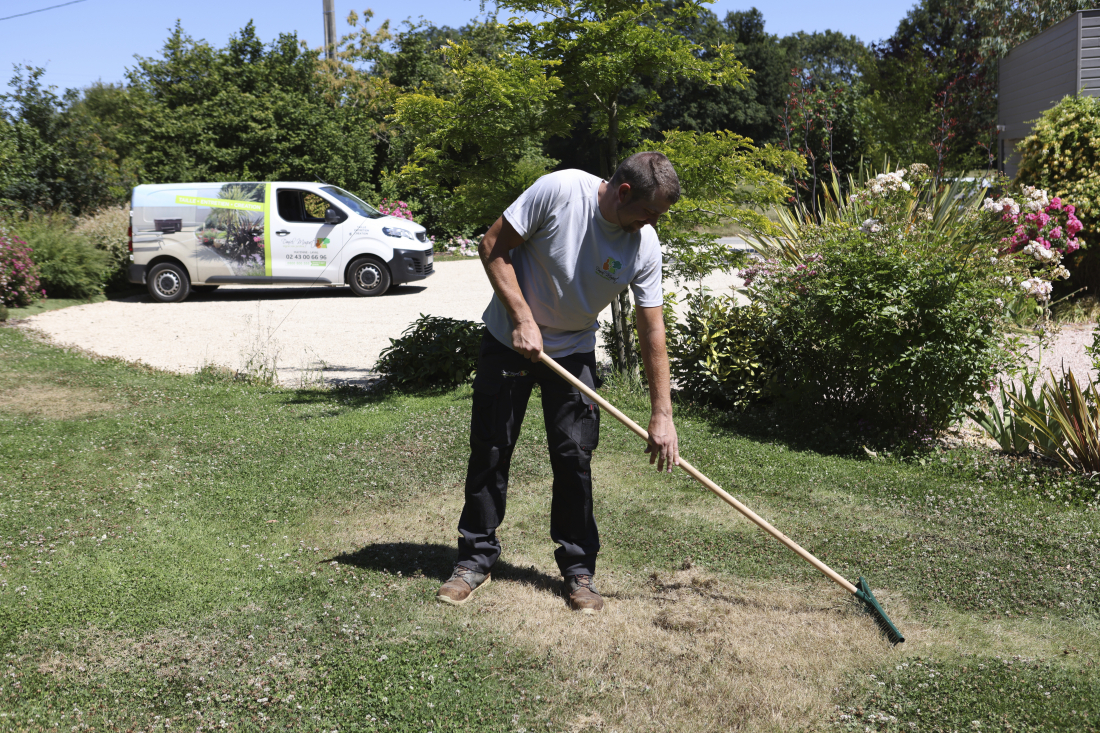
x,y
872,607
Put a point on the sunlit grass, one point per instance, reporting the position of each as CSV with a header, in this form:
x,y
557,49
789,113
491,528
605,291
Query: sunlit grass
x,y
203,549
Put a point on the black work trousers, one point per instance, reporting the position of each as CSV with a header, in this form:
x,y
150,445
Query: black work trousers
x,y
502,388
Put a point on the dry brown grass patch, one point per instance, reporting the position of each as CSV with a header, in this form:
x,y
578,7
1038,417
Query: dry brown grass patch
x,y
687,651
93,654
692,651
51,401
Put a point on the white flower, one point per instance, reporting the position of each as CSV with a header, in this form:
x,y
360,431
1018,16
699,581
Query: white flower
x,y
1038,251
1060,272
992,206
1000,303
1006,204
871,226
1037,198
1036,288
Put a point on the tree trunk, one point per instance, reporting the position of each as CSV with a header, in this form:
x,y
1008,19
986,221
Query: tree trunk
x,y
612,139
618,347
630,364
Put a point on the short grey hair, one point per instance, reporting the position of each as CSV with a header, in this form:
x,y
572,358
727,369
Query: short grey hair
x,y
648,174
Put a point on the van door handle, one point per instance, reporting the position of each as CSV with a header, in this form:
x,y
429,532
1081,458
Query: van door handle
x,y
282,232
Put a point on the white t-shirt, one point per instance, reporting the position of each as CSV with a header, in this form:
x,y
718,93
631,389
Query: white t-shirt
x,y
573,263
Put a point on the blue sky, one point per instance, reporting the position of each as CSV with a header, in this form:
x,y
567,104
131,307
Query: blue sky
x,y
97,39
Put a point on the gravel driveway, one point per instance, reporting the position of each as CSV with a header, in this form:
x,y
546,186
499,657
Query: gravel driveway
x,y
310,330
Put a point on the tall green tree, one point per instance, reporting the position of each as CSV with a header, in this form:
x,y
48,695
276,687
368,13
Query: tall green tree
x,y
1008,23
479,147
603,47
752,109
61,156
249,111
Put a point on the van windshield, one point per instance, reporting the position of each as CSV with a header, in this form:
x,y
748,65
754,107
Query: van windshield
x,y
353,202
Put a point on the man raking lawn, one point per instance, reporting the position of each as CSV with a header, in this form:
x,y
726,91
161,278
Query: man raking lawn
x,y
559,255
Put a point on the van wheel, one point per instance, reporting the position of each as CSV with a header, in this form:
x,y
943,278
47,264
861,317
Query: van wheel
x,y
168,283
368,277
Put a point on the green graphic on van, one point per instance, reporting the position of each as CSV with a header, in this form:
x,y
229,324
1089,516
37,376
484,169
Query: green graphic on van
x,y
220,203
322,243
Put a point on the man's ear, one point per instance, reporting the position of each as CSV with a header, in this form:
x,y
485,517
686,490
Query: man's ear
x,y
625,193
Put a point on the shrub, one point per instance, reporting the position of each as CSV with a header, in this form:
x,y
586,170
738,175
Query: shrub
x,y
19,283
1062,155
722,353
888,312
107,231
70,265
433,352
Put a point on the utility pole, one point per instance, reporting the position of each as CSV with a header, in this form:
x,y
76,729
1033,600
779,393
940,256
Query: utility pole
x,y
330,28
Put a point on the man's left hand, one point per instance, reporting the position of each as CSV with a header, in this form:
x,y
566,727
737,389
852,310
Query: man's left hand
x,y
664,447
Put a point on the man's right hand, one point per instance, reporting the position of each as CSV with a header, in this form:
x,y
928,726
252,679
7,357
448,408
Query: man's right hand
x,y
527,340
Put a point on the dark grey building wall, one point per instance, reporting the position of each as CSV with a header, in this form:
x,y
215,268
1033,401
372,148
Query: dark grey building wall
x,y
1090,53
1037,74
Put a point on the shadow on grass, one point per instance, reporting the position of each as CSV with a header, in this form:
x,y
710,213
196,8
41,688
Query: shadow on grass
x,y
436,561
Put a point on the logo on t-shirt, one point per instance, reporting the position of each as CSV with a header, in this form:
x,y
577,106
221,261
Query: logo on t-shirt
x,y
608,269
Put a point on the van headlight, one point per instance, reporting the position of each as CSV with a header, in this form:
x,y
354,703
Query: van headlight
x,y
397,232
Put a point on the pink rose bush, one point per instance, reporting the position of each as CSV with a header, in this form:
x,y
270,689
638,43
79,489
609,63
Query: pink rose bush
x,y
19,283
400,209
1043,231
462,246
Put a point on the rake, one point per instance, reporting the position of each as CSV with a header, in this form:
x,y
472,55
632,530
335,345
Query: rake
x,y
860,590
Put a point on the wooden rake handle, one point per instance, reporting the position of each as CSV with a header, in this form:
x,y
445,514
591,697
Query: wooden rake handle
x,y
698,476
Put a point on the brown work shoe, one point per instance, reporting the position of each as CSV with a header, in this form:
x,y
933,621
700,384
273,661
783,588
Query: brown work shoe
x,y
461,585
583,596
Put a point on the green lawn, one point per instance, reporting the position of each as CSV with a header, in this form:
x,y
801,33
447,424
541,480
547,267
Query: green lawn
x,y
179,551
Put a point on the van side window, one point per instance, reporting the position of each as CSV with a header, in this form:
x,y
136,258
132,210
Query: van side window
x,y
301,206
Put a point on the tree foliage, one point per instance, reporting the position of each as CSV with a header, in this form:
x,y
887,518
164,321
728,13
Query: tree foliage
x,y
55,154
602,47
479,148
724,179
247,112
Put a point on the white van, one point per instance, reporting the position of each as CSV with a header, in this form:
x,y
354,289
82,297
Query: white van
x,y
193,237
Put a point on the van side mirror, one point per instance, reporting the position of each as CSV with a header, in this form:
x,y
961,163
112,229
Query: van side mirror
x,y
332,216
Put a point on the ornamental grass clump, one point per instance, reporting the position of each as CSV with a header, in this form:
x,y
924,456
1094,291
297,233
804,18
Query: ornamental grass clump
x,y
888,307
19,282
107,232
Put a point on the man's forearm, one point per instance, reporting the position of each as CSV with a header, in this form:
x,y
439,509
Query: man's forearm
x,y
651,339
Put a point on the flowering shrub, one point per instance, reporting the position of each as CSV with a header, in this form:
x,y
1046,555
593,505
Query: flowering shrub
x,y
400,209
19,284
1062,155
459,246
887,313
